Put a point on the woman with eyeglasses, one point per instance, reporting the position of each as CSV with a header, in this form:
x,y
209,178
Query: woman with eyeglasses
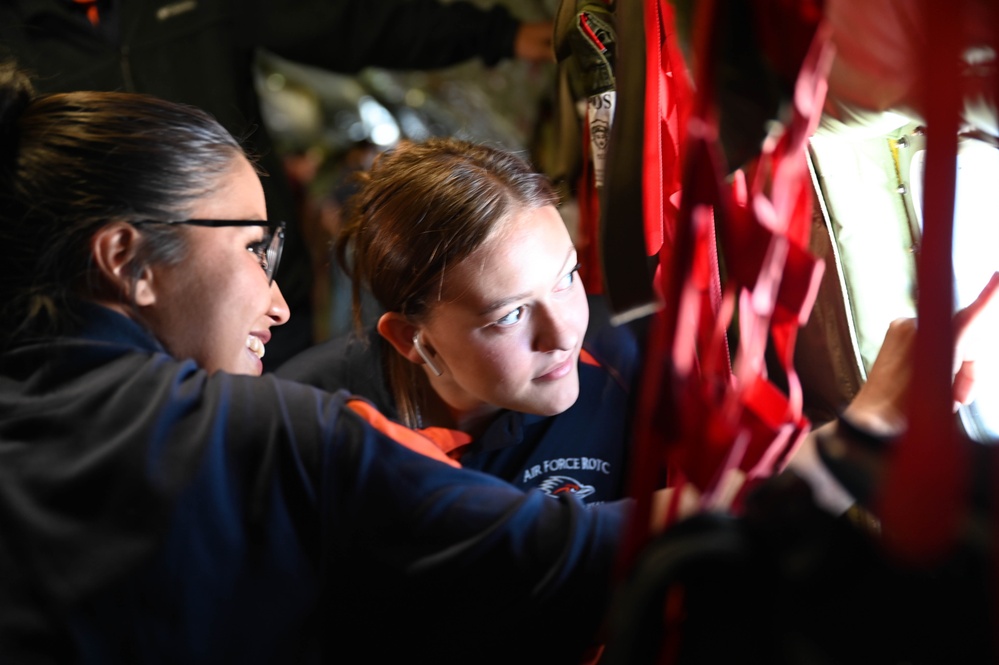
x,y
484,322
160,502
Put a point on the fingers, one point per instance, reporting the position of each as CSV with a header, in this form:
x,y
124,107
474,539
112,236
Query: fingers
x,y
881,403
964,384
964,354
967,316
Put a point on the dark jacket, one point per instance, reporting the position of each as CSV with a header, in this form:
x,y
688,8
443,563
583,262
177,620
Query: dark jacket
x,y
151,513
201,52
582,451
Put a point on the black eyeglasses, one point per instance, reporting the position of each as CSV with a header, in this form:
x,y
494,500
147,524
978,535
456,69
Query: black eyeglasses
x,y
268,250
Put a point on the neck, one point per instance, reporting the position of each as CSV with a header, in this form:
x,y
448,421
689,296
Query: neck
x,y
472,420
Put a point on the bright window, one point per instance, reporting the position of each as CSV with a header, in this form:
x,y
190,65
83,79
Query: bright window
x,y
976,257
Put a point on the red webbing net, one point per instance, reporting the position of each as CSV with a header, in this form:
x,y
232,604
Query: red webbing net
x,y
702,419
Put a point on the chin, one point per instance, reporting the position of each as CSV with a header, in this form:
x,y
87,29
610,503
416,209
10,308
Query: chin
x,y
557,404
254,370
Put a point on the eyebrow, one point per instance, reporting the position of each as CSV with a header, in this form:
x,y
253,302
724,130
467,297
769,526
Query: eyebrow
x,y
503,302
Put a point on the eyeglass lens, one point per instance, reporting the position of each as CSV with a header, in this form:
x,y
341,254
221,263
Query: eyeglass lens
x,y
271,258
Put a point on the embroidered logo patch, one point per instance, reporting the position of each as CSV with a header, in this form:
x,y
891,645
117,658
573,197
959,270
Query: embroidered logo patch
x,y
557,485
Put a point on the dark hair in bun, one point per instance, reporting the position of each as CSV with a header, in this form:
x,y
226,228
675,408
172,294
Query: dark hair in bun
x,y
74,162
16,93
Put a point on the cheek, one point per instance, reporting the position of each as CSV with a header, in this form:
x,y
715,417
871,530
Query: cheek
x,y
224,316
507,361
215,341
477,356
482,362
242,294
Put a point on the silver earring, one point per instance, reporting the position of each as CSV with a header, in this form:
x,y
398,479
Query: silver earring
x,y
423,354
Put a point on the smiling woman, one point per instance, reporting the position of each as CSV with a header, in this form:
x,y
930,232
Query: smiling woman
x,y
143,264
160,503
220,283
48,237
485,318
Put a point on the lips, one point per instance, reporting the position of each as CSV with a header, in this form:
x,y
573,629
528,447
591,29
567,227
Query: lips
x,y
558,371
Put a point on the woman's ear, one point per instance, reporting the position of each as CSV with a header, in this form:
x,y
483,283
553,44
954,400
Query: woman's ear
x,y
399,332
114,248
405,337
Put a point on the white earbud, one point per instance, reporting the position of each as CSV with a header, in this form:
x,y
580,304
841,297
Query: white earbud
x,y
423,354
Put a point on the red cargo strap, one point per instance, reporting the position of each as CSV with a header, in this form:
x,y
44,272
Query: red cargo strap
x,y
700,418
924,493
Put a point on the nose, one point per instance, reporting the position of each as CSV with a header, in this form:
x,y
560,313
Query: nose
x,y
559,327
279,310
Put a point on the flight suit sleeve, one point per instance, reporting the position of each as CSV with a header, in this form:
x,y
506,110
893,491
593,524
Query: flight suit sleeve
x,y
414,541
